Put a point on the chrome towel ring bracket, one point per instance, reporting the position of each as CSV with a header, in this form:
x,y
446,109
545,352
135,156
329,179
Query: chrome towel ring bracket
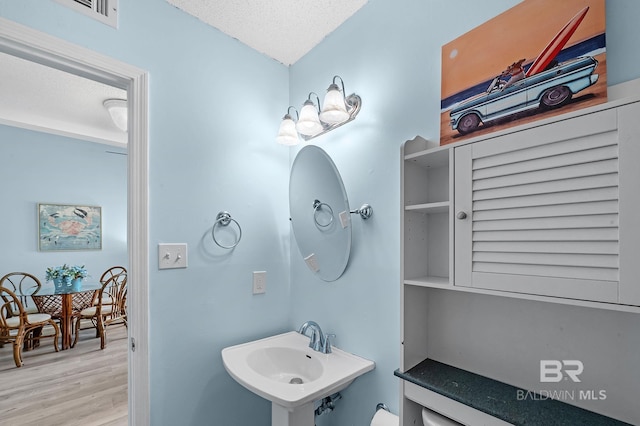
x,y
224,219
365,211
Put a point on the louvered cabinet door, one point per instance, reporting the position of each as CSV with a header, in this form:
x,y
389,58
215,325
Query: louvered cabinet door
x,y
538,211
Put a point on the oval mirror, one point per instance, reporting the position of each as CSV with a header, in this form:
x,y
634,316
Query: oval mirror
x,y
319,211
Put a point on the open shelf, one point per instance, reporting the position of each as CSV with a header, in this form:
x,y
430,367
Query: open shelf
x,y
439,207
431,158
428,281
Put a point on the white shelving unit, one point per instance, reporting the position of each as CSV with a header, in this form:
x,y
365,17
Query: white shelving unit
x,y
439,251
426,250
426,215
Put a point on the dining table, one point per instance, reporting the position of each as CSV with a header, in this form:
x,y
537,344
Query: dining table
x,y
64,304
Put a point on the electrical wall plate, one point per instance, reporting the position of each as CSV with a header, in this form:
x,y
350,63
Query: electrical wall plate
x,y
259,282
171,256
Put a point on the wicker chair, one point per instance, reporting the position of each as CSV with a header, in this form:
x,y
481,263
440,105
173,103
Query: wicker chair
x,y
103,315
22,283
16,325
108,294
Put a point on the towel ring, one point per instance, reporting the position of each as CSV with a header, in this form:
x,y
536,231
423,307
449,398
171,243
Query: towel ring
x,y
317,206
224,219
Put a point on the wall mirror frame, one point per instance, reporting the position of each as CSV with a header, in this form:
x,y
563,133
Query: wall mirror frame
x,y
26,43
320,215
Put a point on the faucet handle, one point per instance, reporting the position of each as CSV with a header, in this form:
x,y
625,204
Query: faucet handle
x,y
327,343
313,340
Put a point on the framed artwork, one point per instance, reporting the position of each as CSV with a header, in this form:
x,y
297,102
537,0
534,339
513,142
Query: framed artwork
x,y
538,59
69,227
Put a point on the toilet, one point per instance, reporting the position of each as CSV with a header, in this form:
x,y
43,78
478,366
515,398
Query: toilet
x,y
383,417
431,418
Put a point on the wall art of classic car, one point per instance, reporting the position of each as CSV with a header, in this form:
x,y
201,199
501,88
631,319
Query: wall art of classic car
x,y
550,81
548,89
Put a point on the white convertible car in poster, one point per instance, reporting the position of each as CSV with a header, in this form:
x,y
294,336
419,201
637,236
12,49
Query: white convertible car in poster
x,y
551,88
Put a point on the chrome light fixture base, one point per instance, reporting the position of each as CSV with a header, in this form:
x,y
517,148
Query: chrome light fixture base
x,y
354,104
337,109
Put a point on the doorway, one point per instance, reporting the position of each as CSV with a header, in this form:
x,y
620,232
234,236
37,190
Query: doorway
x,y
26,43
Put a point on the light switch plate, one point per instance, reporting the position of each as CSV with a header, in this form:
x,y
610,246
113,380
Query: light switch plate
x,y
171,256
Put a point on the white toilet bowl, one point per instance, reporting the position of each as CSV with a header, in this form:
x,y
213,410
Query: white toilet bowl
x,y
431,418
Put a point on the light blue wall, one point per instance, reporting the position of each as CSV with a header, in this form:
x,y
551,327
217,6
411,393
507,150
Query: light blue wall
x,y
42,168
215,105
389,53
214,109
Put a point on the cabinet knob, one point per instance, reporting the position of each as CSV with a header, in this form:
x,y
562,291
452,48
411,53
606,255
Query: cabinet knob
x,y
461,215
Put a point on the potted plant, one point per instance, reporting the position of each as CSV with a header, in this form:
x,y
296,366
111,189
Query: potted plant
x,y
66,276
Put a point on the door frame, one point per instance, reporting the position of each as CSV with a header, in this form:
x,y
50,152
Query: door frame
x,y
36,46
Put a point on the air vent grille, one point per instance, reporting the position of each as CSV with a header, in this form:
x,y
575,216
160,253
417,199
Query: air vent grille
x,y
102,7
105,11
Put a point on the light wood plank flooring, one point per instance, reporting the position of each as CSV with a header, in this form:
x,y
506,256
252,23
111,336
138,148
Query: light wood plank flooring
x,y
79,386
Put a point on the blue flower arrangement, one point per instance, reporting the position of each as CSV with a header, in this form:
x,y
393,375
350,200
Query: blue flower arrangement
x,y
66,273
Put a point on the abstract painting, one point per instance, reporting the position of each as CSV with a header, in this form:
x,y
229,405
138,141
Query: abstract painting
x,y
69,227
536,60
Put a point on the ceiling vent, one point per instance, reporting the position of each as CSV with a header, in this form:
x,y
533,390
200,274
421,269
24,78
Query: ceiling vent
x,y
105,11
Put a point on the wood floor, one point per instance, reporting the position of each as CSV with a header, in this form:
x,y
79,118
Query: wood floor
x,y
80,386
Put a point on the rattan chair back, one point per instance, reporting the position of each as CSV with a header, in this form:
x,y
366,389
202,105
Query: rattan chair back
x,y
107,296
105,314
22,283
17,326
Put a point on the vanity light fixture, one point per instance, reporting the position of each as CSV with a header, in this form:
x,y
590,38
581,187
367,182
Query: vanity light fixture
x,y
309,122
118,111
287,135
334,108
337,109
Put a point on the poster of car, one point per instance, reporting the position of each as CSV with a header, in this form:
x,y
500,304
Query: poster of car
x,y
538,59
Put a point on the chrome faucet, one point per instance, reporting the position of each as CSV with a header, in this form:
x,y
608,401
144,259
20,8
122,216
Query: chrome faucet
x,y
317,341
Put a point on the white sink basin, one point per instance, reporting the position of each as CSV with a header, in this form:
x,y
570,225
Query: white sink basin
x,y
286,365
284,370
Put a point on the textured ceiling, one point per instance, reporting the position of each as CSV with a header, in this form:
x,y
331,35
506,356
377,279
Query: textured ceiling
x,y
284,30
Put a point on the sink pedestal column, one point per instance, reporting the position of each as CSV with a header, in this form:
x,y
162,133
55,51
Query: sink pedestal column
x,y
303,415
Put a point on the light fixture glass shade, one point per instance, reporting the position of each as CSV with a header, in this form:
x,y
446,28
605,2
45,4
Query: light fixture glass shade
x,y
334,110
118,111
287,134
309,122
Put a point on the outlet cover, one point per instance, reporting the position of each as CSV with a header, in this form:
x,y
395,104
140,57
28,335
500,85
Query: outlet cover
x,y
259,282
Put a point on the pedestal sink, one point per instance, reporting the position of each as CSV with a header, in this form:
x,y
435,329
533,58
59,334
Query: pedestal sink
x,y
284,370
